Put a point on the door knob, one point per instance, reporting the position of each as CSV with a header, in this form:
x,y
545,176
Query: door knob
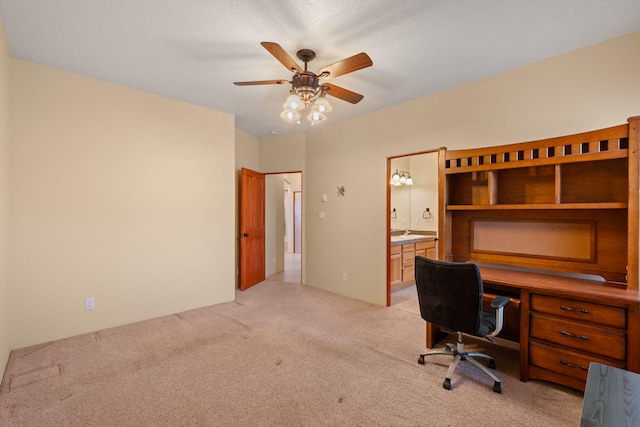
x,y
244,234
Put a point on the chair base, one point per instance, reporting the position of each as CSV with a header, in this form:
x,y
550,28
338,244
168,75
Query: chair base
x,y
459,354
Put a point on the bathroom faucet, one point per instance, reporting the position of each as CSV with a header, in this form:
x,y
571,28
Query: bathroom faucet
x,y
407,232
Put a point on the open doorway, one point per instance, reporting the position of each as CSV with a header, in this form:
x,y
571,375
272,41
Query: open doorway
x,y
283,235
413,201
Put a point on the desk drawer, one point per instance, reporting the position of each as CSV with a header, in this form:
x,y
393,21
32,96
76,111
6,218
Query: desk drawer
x,y
566,333
580,310
564,362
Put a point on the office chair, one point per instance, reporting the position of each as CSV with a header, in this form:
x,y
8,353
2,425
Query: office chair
x,y
450,295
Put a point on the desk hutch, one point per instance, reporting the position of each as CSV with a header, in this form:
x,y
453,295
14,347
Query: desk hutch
x,y
554,225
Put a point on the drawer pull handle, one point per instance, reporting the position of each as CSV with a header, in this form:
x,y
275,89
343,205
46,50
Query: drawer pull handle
x,y
578,310
571,365
569,334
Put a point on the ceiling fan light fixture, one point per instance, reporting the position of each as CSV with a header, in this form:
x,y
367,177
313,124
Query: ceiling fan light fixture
x,y
294,102
289,114
322,105
316,116
306,88
307,93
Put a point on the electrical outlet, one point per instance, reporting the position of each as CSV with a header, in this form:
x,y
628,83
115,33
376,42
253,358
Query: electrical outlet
x,y
89,304
345,277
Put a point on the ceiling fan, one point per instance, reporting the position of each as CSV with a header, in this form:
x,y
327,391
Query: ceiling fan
x,y
306,88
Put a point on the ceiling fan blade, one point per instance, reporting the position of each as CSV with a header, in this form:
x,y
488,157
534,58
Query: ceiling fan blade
x,y
342,93
262,82
281,55
349,65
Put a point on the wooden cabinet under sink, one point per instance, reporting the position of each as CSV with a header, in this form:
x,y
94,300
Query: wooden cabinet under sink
x,y
402,255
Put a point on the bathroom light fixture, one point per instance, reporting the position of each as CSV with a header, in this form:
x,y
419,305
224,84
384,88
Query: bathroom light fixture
x,y
400,178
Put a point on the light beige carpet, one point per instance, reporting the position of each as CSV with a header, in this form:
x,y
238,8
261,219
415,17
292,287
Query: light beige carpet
x,y
282,354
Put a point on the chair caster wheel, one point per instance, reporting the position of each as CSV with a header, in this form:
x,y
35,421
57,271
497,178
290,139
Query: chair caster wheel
x,y
447,384
421,359
497,387
492,364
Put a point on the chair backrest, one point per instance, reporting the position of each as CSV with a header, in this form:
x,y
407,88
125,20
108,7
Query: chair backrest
x,y
450,294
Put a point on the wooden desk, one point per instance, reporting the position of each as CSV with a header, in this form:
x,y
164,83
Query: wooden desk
x,y
611,398
564,204
566,323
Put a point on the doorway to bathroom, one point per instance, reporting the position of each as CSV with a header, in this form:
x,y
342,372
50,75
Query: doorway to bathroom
x,y
413,200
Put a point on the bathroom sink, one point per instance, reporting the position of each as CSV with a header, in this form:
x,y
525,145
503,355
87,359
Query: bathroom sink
x,y
407,238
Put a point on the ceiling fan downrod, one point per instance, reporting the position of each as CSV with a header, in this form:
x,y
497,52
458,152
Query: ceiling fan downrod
x,y
306,84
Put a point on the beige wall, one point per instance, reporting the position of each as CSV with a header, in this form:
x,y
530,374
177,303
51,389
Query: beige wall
x,y
283,154
5,65
584,90
247,151
118,195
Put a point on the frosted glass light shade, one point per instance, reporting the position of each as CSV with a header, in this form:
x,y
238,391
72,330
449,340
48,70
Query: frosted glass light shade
x,y
290,114
293,102
322,105
316,116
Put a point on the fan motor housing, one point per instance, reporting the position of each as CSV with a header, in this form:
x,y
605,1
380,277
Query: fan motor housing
x,y
306,78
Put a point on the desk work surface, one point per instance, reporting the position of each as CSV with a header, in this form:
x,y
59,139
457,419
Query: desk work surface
x,y
560,285
611,397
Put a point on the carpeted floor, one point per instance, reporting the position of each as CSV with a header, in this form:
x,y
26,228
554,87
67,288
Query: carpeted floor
x,y
282,354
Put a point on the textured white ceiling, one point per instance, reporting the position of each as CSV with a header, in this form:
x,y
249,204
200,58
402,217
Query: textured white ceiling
x,y
193,50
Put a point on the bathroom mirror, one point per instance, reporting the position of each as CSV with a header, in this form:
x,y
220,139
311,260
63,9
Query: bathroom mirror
x,y
409,203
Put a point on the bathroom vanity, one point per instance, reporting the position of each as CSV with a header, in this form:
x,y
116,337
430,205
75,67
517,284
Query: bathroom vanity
x,y
403,251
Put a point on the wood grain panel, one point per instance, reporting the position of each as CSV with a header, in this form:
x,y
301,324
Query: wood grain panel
x,y
559,240
611,241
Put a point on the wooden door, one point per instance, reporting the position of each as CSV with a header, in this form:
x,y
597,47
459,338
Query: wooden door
x,y
252,225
